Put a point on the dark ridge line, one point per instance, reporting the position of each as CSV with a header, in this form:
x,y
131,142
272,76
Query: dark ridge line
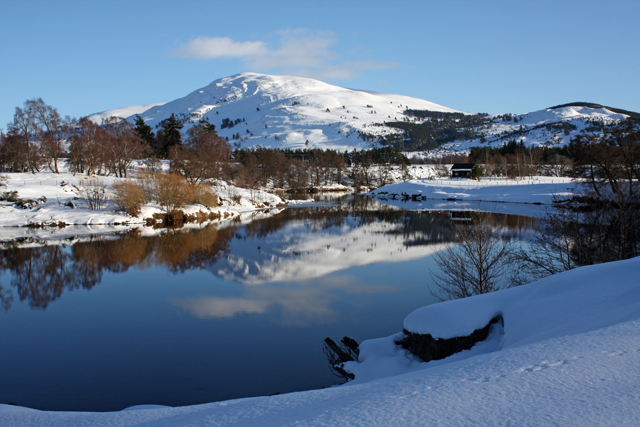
x,y
594,105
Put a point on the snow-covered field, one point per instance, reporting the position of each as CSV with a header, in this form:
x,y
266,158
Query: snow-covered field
x,y
568,354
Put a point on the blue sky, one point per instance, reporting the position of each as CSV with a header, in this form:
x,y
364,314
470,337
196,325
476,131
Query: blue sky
x,y
493,56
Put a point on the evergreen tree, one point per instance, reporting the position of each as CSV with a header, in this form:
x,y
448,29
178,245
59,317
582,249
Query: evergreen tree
x,y
208,126
145,132
169,136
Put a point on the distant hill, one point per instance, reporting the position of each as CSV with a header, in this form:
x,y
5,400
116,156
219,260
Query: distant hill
x,y
552,127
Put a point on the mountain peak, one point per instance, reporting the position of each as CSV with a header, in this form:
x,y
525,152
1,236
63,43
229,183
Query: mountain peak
x,y
254,109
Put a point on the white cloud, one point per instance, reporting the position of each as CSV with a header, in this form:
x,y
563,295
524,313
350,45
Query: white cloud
x,y
300,53
347,70
219,47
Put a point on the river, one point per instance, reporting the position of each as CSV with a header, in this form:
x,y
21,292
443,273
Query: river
x,y
102,322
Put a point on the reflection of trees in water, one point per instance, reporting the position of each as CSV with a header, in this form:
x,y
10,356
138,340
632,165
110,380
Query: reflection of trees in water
x,y
359,208
177,250
40,275
416,227
6,298
188,251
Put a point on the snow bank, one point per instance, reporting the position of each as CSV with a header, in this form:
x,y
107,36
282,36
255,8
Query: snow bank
x,y
541,310
572,302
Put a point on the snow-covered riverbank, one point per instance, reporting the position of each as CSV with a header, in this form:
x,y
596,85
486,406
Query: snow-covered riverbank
x,y
538,189
57,199
568,354
528,197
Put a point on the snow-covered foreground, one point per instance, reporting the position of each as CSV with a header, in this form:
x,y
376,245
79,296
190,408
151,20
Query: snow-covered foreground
x,y
569,354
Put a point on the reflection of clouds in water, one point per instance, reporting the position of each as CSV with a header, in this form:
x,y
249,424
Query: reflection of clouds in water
x,y
300,306
301,303
206,307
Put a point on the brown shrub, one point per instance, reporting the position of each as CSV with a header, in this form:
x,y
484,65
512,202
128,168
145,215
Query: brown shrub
x,y
129,197
172,191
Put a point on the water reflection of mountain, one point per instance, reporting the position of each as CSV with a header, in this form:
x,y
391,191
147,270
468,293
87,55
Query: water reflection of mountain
x,y
300,245
323,240
296,244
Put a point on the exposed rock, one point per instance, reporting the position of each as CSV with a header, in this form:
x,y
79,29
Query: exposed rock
x,y
337,354
427,348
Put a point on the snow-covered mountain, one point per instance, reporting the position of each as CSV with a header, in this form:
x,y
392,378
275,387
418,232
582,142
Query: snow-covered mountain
x,y
130,111
284,111
294,112
552,127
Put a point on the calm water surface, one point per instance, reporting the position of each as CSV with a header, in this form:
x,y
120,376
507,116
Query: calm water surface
x,y
194,316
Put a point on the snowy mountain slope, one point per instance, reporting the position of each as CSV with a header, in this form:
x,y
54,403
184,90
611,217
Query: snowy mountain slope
x,y
286,112
569,355
294,112
552,127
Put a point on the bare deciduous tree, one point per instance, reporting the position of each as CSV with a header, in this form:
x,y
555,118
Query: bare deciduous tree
x,y
85,153
202,157
122,145
553,250
474,263
13,153
93,192
52,130
22,129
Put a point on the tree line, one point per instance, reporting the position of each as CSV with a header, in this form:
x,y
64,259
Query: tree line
x,y
39,137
